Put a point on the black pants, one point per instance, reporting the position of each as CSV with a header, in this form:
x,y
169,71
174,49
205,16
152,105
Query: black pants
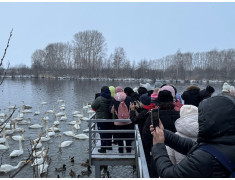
x,y
105,126
125,135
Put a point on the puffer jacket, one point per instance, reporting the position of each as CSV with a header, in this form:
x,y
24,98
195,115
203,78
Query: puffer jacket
x,y
216,128
186,126
101,106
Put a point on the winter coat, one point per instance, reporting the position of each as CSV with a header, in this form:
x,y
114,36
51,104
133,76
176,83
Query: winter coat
x,y
186,126
191,96
204,94
216,128
142,117
101,106
168,118
115,104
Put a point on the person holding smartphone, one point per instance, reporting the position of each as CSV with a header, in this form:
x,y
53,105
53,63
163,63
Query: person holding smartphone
x,y
144,108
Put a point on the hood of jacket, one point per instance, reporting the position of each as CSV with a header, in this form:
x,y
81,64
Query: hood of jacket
x,y
120,96
188,125
217,120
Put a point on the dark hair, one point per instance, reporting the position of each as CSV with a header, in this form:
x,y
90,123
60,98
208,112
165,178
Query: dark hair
x,y
128,91
166,105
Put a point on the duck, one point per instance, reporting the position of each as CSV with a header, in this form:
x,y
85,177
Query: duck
x,y
5,168
6,146
81,136
64,143
3,139
26,106
72,174
17,152
63,168
69,133
86,172
85,164
76,126
37,112
17,138
71,159
64,118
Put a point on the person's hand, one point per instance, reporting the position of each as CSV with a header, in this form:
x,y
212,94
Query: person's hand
x,y
160,126
137,105
132,106
158,135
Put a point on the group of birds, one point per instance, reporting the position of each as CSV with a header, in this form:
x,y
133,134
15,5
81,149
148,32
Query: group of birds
x,y
40,157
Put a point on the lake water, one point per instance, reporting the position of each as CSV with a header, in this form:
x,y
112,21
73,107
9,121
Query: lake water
x,y
75,93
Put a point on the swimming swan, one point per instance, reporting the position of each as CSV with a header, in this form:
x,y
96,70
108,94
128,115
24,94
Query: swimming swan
x,y
64,143
17,152
7,167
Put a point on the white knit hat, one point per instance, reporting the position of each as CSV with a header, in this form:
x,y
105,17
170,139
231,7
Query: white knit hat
x,y
226,87
188,109
232,91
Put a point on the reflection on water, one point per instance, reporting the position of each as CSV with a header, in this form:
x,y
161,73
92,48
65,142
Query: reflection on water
x,y
75,93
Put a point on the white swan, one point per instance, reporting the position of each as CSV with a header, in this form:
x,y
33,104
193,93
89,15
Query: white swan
x,y
38,154
75,112
25,122
43,167
17,138
85,118
86,130
16,128
7,167
19,117
4,147
72,122
64,143
76,126
51,111
62,108
11,107
69,133
78,115
3,139
60,114
86,107
3,114
35,126
38,161
37,112
62,105
17,152
56,122
45,118
60,100
81,136
47,138
43,102
63,118
53,131
37,145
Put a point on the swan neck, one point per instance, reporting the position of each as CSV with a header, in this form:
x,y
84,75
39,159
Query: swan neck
x,y
20,145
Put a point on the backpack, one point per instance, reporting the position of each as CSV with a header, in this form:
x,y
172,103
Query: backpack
x,y
220,157
123,112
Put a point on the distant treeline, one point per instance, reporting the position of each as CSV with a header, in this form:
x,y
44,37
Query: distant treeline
x,y
86,56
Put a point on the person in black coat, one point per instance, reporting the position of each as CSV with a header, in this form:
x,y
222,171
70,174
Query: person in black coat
x,y
191,96
206,93
167,115
133,95
145,107
216,129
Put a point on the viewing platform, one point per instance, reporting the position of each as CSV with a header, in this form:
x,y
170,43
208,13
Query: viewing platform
x,y
112,157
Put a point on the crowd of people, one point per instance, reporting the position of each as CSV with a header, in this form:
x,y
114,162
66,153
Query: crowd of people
x,y
196,130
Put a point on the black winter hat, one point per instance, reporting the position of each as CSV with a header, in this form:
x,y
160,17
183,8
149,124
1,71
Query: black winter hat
x,y
128,91
165,96
142,90
210,89
145,99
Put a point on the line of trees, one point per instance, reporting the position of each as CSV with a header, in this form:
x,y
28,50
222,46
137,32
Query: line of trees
x,y
86,56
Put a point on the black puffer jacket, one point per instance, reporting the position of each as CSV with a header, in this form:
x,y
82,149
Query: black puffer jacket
x,y
191,96
140,119
101,106
216,128
168,118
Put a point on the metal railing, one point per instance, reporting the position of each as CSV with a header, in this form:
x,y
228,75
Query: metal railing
x,y
137,148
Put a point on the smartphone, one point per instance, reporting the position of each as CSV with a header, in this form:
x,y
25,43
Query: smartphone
x,y
155,117
135,103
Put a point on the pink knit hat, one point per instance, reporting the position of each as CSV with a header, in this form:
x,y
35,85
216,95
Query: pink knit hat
x,y
168,88
118,89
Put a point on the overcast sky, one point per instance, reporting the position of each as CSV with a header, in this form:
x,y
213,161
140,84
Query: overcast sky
x,y
145,30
